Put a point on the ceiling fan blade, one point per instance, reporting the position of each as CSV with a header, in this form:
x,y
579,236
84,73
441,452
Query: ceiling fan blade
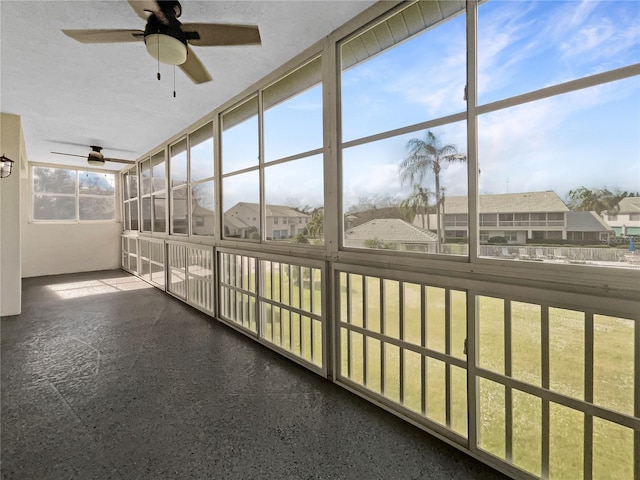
x,y
222,34
119,160
144,8
194,69
105,36
70,154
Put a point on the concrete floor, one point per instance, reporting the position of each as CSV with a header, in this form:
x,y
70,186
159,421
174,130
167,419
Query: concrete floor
x,y
104,377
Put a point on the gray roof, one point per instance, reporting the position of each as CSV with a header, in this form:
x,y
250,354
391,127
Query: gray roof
x,y
531,202
283,211
390,230
201,211
586,222
236,222
629,205
270,210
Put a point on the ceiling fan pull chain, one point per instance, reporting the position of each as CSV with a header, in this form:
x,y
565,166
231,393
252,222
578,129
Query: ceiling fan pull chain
x,y
174,81
158,60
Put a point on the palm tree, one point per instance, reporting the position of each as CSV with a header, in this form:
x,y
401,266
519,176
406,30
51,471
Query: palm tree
x,y
597,200
418,203
315,227
429,155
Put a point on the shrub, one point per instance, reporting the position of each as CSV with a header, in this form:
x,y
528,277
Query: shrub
x,y
499,240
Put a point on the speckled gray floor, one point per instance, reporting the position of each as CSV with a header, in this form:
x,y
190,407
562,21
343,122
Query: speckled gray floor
x,y
128,383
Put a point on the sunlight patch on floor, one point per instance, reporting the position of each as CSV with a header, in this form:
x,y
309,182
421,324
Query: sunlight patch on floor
x,y
97,287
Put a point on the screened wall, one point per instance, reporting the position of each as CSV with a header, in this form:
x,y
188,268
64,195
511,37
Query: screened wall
x,y
416,209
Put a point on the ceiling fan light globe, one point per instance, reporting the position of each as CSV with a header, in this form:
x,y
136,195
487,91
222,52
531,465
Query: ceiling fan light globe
x,y
95,162
166,49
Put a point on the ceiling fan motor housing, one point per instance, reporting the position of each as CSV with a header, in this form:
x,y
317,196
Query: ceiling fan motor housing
x,y
95,157
165,40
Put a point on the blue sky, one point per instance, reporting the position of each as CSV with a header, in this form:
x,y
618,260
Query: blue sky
x,y
589,137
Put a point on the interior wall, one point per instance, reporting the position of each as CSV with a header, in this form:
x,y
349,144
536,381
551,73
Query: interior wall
x,y
12,146
50,249
56,248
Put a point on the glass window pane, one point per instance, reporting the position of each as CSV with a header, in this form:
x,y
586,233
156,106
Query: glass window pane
x,y
54,180
97,208
179,211
53,207
240,199
159,210
524,49
127,216
613,363
385,208
133,183
613,450
491,333
491,431
526,342
145,173
203,217
240,137
416,80
178,162
92,183
146,214
560,178
201,144
126,194
134,214
566,442
293,113
566,351
158,166
294,192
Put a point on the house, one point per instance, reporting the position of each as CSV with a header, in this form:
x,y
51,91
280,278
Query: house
x,y
518,217
392,233
587,226
625,220
281,222
203,220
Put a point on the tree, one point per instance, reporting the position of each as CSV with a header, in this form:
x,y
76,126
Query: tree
x,y
315,227
376,243
299,238
426,155
594,199
417,203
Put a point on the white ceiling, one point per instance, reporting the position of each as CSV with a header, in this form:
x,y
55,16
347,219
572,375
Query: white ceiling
x,y
109,95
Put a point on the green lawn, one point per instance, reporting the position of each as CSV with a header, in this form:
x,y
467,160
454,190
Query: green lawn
x,y
379,366
613,371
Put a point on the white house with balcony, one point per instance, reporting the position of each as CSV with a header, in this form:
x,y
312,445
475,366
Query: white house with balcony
x,y
514,216
625,220
519,217
281,222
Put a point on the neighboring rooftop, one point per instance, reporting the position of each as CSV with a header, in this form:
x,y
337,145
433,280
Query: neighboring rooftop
x,y
390,230
629,205
586,222
530,202
270,210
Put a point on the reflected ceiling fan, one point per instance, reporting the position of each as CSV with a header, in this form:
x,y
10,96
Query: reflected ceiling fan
x,y
96,158
168,40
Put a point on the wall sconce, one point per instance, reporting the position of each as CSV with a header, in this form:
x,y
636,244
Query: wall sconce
x,y
6,164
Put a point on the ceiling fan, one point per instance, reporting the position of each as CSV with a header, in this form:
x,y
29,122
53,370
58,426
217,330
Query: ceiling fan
x,y
96,158
168,40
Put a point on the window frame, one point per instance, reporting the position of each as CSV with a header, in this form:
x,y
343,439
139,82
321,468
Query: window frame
x,y
76,195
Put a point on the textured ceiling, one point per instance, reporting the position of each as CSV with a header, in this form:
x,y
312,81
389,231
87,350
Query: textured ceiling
x,y
109,95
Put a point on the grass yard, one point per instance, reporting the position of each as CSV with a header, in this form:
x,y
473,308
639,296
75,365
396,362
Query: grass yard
x,y
294,300
377,365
